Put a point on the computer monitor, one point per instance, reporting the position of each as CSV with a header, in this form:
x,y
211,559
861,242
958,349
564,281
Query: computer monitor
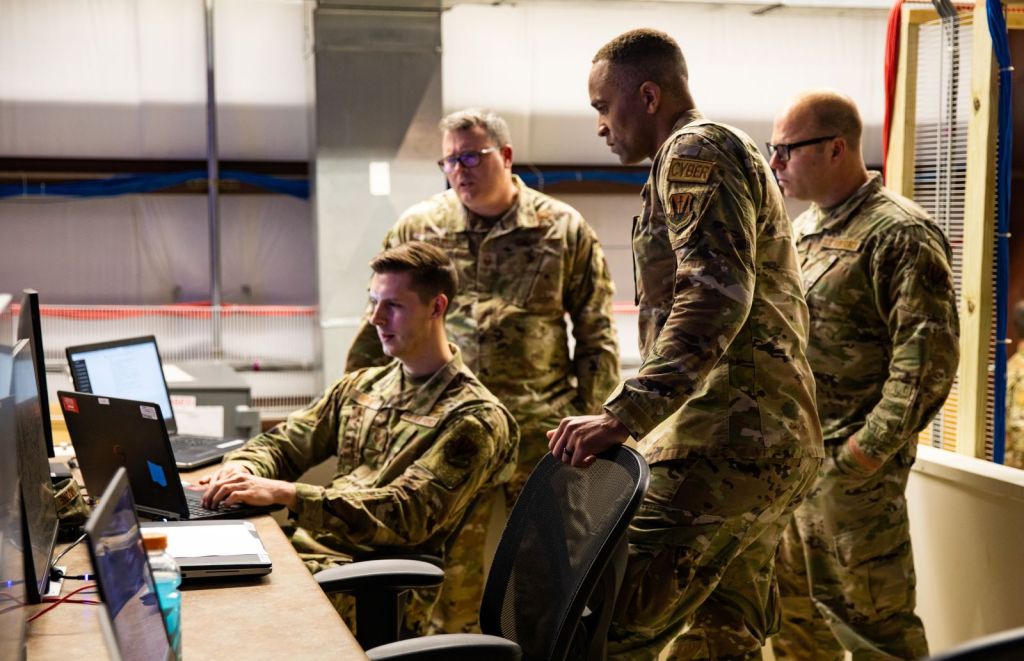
x,y
133,625
38,505
12,564
30,328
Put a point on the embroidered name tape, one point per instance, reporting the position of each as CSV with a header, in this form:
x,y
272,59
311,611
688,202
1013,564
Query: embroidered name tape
x,y
690,170
835,243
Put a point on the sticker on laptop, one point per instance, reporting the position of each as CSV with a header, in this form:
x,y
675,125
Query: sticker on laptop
x,y
148,412
69,404
103,400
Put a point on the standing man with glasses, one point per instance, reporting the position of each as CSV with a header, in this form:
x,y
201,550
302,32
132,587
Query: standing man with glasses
x,y
525,262
883,347
723,405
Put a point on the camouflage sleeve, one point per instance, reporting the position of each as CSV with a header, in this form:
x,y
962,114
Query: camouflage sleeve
x,y
306,438
710,221
1014,455
588,298
914,285
433,493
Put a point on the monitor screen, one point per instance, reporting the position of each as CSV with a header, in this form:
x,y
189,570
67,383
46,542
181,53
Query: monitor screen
x,y
127,370
30,328
123,575
39,507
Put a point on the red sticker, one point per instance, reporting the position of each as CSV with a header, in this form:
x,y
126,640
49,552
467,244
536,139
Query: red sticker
x,y
70,405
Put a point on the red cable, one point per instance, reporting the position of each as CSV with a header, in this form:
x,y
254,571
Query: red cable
x,y
66,597
892,62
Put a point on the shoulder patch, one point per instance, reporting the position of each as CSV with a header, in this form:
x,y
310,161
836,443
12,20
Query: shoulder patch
x,y
835,243
681,203
690,170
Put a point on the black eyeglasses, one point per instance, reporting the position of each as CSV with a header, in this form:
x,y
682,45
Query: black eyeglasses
x,y
783,152
467,159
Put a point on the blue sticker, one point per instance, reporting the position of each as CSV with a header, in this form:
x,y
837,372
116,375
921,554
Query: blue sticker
x,y
156,472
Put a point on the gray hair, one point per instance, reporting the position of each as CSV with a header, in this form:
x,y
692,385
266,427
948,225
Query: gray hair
x,y
494,125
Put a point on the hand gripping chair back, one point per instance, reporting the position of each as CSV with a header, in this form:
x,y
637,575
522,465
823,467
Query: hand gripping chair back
x,y
564,542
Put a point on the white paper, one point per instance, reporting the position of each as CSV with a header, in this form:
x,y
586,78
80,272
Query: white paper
x,y
206,541
175,373
200,420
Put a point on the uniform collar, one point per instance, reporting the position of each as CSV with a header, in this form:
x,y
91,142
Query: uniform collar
x,y
421,400
835,218
688,117
520,214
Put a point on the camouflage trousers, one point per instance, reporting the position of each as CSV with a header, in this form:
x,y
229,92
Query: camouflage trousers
x,y
701,555
317,557
458,608
846,570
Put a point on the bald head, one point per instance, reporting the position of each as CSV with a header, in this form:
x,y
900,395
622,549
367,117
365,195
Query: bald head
x,y
829,113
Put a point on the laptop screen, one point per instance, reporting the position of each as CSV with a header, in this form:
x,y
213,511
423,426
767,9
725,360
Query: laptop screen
x,y
129,369
123,575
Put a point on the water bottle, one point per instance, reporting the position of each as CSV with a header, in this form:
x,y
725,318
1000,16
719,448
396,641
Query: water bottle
x,y
167,576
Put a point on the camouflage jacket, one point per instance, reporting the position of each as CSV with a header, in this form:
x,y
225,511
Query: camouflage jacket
x,y
1015,409
410,459
884,330
723,323
536,263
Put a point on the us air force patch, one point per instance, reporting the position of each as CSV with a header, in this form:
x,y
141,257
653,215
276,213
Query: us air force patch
x,y
690,170
681,203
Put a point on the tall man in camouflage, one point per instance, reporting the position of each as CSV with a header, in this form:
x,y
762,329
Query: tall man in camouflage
x,y
525,260
416,441
1015,396
883,347
723,405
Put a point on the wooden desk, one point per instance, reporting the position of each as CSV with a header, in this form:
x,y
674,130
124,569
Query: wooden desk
x,y
284,615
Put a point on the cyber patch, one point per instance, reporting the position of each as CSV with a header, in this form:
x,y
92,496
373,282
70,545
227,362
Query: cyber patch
x,y
690,170
681,203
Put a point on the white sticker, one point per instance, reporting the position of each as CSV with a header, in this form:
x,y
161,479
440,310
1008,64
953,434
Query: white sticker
x,y
148,412
229,444
103,400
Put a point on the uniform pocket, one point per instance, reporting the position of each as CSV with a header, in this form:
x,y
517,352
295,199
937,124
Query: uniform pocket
x,y
878,566
541,277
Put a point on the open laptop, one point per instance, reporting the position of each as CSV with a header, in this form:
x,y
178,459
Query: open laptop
x,y
108,433
131,369
133,626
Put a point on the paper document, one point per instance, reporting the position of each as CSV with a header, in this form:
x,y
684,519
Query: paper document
x,y
210,540
175,373
200,420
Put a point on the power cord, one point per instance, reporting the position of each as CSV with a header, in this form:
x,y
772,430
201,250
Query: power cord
x,y
66,598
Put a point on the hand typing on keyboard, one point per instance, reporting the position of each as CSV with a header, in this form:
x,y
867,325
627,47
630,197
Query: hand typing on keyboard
x,y
233,484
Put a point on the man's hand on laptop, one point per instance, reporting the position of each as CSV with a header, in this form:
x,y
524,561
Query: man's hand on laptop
x,y
234,485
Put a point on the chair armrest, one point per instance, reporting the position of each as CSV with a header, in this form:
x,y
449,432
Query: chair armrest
x,y
449,647
379,575
392,555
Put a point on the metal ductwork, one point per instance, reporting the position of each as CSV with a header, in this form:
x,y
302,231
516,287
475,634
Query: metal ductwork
x,y
378,103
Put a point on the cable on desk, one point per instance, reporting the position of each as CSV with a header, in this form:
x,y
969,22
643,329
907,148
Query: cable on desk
x,y
65,551
66,598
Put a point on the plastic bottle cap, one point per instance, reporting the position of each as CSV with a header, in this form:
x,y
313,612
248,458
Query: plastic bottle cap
x,y
154,541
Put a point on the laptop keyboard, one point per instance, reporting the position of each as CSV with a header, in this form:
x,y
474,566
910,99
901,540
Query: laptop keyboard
x,y
196,509
194,441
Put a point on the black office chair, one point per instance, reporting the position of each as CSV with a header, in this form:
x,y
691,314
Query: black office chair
x,y
563,550
1003,646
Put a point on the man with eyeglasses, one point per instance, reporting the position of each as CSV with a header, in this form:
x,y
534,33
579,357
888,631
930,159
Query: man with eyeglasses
x,y
525,262
884,348
723,405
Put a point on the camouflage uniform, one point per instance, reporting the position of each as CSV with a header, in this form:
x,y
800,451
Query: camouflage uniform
x,y
518,277
1015,409
723,403
883,346
412,455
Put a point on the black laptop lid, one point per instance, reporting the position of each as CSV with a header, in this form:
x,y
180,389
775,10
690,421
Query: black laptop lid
x,y
129,369
108,433
124,578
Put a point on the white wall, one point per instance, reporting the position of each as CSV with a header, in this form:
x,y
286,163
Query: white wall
x,y
967,528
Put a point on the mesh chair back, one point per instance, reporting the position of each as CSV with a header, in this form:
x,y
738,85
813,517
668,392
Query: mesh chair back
x,y
556,544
